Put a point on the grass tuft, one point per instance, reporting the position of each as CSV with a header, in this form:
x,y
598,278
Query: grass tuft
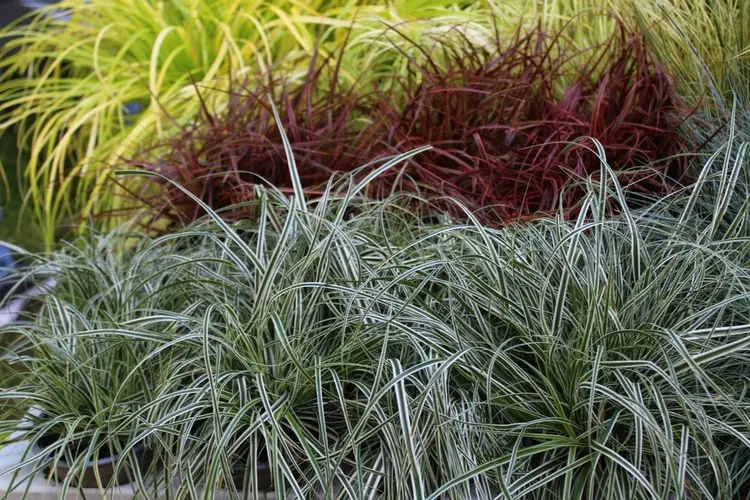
x,y
508,145
356,345
506,141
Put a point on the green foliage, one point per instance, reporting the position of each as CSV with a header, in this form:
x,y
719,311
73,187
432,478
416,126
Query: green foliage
x,y
362,345
705,44
87,90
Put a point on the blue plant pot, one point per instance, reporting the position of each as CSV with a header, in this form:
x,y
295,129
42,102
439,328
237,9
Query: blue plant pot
x,y
59,14
7,265
6,260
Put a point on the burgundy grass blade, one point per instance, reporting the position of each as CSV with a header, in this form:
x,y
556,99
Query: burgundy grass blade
x,y
506,141
503,135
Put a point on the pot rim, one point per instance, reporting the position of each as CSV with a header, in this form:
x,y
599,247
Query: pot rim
x,y
138,448
258,466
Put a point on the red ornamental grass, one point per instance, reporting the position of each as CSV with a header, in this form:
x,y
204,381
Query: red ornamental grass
x,y
223,156
502,135
502,131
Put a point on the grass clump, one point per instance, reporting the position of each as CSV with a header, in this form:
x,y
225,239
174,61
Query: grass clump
x,y
611,366
703,43
361,347
88,87
706,44
506,141
503,137
223,156
612,350
265,352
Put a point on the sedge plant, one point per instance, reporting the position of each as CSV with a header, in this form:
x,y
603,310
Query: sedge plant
x,y
614,347
503,134
272,347
364,349
706,44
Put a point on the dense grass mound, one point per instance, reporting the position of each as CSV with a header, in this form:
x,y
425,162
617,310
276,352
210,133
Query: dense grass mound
x,y
222,157
506,141
706,44
503,136
355,343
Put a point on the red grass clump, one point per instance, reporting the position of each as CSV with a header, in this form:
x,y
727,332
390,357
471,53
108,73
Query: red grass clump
x,y
222,157
501,128
502,134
